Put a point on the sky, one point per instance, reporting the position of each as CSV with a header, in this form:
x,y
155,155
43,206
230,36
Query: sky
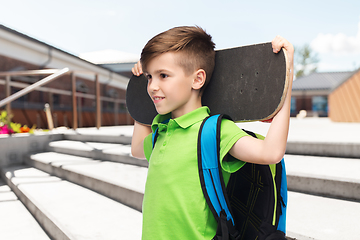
x,y
331,28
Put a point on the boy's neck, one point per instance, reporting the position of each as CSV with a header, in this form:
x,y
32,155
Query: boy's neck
x,y
191,107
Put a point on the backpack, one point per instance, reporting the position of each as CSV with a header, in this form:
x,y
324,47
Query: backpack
x,y
253,204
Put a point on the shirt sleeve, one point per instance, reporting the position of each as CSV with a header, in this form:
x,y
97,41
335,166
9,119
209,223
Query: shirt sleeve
x,y
148,146
230,134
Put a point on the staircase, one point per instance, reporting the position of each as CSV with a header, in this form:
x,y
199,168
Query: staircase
x,y
85,185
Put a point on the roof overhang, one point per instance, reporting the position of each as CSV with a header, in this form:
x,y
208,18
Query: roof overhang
x,y
24,48
307,92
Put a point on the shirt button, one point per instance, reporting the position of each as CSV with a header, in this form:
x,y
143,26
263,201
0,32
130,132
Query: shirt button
x,y
164,144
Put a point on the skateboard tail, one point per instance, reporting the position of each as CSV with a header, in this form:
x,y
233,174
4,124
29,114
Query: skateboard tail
x,y
286,88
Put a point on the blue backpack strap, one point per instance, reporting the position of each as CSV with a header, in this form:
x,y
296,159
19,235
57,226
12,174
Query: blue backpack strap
x,y
154,137
155,133
211,178
284,197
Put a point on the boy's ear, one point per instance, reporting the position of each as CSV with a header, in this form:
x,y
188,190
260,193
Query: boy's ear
x,y
199,79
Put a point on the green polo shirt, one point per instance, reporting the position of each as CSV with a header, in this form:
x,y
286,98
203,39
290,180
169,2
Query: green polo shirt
x,y
174,206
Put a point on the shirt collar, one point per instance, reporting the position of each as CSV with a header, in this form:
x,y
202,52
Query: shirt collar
x,y
184,121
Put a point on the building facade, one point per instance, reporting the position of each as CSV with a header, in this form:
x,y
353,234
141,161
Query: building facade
x,y
345,100
19,52
333,94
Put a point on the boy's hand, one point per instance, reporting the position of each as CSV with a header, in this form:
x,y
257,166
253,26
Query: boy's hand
x,y
137,69
279,42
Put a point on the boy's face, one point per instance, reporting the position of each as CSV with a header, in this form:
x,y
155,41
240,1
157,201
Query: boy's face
x,y
169,87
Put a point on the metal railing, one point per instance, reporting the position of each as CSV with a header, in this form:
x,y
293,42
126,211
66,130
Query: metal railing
x,y
55,74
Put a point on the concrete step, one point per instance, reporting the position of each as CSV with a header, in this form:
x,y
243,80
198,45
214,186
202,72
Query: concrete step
x,y
333,177
113,134
122,182
16,222
97,150
331,149
322,218
68,211
302,207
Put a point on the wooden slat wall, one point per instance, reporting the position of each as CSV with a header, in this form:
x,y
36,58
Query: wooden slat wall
x,y
344,102
31,117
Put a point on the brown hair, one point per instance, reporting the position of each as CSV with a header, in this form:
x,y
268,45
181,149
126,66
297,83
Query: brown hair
x,y
194,44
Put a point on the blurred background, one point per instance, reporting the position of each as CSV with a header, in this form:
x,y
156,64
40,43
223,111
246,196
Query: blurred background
x,y
111,34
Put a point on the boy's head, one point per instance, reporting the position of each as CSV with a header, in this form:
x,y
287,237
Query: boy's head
x,y
194,45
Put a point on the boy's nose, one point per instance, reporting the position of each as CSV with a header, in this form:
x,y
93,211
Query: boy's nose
x,y
153,86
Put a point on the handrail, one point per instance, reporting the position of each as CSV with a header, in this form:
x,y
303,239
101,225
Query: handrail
x,y
34,86
29,72
62,92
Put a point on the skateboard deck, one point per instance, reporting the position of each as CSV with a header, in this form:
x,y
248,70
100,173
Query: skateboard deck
x,y
249,83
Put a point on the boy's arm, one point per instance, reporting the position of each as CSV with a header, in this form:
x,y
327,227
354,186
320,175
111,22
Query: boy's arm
x,y
137,141
272,149
140,130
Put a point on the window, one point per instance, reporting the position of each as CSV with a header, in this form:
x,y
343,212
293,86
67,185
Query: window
x,y
320,105
293,105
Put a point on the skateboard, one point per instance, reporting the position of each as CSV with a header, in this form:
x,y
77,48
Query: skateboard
x,y
249,83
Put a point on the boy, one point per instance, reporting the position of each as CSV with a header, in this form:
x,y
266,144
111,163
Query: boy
x,y
178,64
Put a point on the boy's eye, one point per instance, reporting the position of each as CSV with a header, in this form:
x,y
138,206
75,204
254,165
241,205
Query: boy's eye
x,y
163,75
148,76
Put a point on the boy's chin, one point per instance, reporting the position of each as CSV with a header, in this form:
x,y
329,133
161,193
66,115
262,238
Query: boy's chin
x,y
162,112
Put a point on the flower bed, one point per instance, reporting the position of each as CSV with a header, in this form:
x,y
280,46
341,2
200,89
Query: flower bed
x,y
8,127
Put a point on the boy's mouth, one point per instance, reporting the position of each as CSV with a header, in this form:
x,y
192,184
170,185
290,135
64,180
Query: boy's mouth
x,y
157,99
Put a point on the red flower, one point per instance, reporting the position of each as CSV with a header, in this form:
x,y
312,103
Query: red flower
x,y
6,130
